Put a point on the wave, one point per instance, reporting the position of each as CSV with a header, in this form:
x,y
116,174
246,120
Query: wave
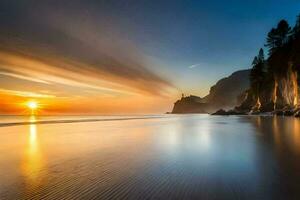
x,y
60,121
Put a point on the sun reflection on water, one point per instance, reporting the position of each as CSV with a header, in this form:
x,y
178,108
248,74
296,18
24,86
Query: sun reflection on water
x,y
32,161
32,134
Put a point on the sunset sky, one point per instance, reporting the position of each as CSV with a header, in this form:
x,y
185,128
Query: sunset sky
x,y
103,57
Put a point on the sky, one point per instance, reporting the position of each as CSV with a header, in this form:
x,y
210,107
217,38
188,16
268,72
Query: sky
x,y
133,56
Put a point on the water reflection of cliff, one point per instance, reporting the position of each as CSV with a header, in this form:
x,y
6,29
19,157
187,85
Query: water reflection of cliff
x,y
283,131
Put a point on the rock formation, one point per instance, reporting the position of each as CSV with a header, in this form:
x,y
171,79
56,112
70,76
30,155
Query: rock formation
x,y
226,93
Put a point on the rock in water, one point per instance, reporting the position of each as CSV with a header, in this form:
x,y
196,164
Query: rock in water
x,y
220,112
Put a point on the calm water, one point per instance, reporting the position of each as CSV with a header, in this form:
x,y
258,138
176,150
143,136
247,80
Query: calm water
x,y
156,157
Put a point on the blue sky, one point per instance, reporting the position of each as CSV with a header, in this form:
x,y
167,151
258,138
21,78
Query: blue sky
x,y
217,36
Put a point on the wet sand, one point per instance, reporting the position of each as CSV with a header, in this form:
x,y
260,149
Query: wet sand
x,y
166,157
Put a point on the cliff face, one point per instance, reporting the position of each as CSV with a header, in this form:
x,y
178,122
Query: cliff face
x,y
224,94
227,91
280,87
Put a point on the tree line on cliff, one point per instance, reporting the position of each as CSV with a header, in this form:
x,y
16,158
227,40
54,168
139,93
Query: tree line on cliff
x,y
274,81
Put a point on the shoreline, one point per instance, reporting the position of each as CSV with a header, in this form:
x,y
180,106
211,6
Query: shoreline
x,y
67,121
285,112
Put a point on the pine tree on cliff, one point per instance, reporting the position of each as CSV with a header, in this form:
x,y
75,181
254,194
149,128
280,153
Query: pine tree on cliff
x,y
271,41
283,31
296,29
296,34
261,56
278,36
259,60
258,73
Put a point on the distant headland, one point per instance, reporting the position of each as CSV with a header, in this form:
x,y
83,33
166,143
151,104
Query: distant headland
x,y
224,94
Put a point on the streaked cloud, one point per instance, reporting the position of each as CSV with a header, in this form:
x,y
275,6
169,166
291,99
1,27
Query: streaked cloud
x,y
73,74
19,76
26,94
193,66
82,57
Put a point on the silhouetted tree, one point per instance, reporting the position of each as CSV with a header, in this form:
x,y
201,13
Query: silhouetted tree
x,y
296,29
258,73
271,41
283,31
261,56
278,36
259,59
255,61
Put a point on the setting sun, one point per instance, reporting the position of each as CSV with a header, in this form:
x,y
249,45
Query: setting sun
x,y
33,105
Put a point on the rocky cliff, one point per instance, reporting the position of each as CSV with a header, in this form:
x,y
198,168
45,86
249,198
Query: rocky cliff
x,y
279,88
190,104
225,93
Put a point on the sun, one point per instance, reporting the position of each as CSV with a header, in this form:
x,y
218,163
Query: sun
x,y
32,105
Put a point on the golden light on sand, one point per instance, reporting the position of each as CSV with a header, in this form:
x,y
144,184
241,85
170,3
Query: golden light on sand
x,y
33,160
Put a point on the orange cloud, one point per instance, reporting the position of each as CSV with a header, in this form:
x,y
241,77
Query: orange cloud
x,y
73,66
67,87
